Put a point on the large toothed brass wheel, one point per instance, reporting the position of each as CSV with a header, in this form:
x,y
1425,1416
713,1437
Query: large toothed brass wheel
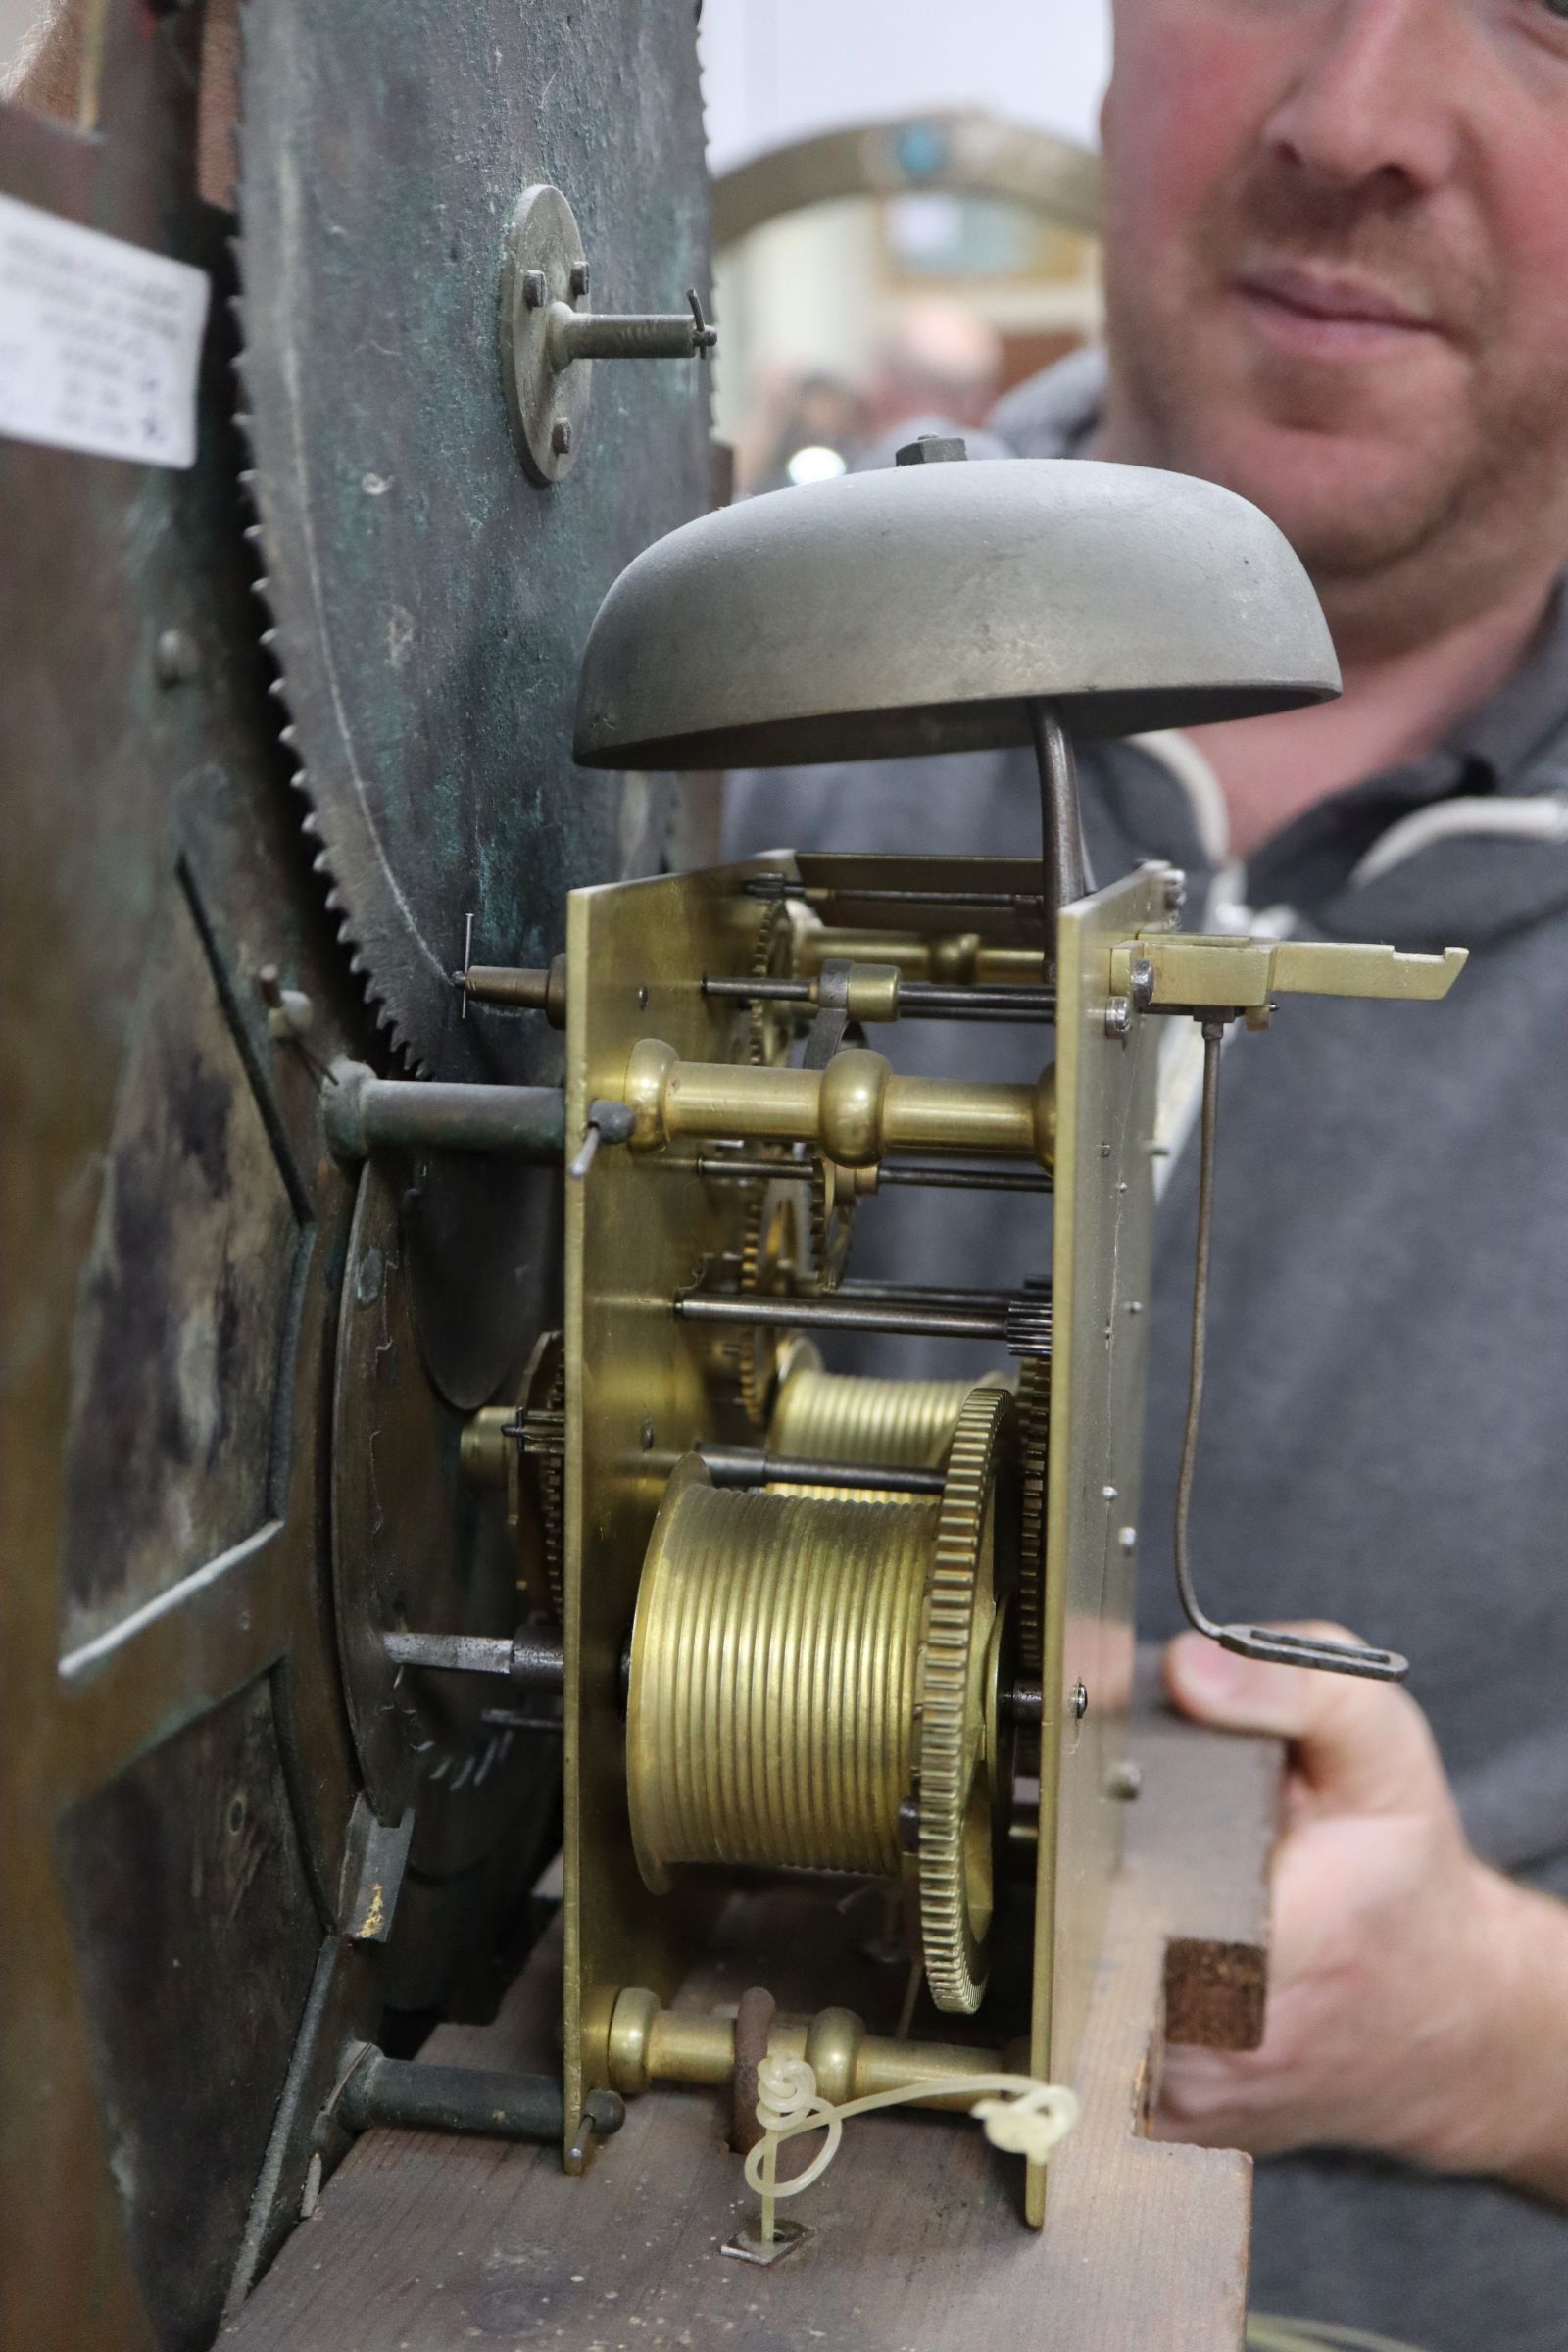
x,y
960,1718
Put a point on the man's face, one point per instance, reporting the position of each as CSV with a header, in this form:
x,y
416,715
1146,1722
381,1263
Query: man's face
x,y
1337,255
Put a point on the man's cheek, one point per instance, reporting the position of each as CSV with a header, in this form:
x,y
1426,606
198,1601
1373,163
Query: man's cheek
x,y
1181,130
1534,243
1192,91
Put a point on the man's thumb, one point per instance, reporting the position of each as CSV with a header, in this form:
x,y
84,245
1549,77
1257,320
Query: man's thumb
x,y
1363,1745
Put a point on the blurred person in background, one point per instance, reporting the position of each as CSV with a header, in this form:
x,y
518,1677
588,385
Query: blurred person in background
x,y
802,427
1336,276
939,360
938,367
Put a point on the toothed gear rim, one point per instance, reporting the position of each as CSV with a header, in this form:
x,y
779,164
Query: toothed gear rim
x,y
1033,1431
960,1607
769,1269
771,1027
542,1470
429,605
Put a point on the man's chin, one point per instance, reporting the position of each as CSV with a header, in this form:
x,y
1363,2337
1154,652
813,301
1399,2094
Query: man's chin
x,y
1350,506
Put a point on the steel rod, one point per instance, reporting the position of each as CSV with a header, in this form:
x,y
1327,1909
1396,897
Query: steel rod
x,y
814,1314
895,1172
919,1293
965,1179
364,1113
531,1657
749,1466
408,2094
1062,833
625,335
918,999
1271,1644
781,886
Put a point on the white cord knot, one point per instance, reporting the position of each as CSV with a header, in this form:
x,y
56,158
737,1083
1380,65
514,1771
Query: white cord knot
x,y
1021,2116
786,2104
786,2090
1030,2123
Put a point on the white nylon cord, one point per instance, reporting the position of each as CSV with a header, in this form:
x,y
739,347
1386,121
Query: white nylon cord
x,y
1021,2116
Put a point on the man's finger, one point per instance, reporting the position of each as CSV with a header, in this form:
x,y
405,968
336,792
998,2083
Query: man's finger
x,y
1360,1744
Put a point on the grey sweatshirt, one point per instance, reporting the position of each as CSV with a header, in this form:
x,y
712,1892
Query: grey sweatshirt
x,y
1385,1438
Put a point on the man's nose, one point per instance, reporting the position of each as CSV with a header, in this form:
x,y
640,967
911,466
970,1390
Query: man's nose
x,y
1378,95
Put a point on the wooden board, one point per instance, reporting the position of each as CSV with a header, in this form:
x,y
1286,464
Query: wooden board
x,y
423,2244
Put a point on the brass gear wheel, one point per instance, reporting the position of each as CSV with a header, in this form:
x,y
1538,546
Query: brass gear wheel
x,y
771,1027
542,1476
1034,1435
770,1256
958,1718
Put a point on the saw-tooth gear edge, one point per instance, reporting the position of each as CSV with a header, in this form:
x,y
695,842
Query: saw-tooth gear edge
x,y
1033,1431
960,1610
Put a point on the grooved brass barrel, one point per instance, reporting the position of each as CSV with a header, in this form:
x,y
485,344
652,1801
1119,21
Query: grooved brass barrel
x,y
891,1424
773,1680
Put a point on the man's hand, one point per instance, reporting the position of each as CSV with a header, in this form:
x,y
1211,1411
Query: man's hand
x,y
1418,2002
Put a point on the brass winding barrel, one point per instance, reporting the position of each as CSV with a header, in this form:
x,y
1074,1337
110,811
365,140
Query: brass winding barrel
x,y
773,1690
894,1424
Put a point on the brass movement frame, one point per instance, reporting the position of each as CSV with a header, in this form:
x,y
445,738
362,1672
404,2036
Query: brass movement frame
x,y
1102,1260
642,1227
638,1231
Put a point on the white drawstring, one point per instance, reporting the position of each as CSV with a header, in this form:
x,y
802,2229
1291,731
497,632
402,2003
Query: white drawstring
x,y
1021,2116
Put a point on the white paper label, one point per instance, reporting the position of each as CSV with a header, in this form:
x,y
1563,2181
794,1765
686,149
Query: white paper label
x,y
99,340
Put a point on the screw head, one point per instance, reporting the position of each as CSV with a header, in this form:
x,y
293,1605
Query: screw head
x,y
1175,893
1118,1017
1126,1782
535,289
560,437
1141,978
1079,1702
1128,1539
650,1437
581,281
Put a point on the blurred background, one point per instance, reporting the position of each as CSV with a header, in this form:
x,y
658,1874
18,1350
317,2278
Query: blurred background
x,y
905,202
905,205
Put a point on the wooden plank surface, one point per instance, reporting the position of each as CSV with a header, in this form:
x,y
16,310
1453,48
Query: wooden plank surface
x,y
424,2244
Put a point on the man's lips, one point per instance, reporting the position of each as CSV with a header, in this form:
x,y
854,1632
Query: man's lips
x,y
1319,314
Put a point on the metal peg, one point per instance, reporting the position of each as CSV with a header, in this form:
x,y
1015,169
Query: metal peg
x,y
630,336
607,1123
